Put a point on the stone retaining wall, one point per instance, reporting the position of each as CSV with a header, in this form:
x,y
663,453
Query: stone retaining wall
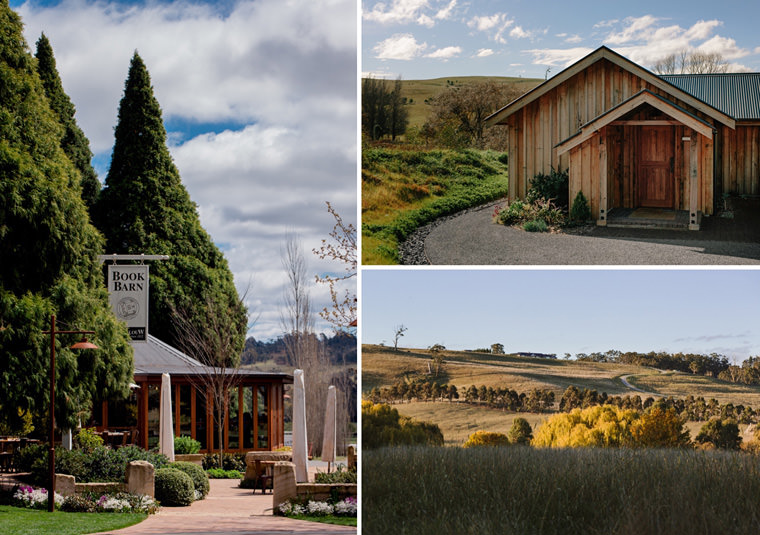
x,y
285,487
140,479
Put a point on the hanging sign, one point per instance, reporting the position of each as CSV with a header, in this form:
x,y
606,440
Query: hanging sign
x,y
128,295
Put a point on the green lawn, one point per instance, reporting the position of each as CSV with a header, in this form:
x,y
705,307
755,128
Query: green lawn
x,y
332,519
20,521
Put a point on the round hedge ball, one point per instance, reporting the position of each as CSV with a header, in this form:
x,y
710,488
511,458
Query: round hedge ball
x,y
196,473
174,487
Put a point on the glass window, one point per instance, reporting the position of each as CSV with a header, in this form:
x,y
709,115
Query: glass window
x,y
233,416
123,413
262,418
200,419
248,417
154,407
185,410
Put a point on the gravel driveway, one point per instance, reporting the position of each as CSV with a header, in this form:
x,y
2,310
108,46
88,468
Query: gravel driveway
x,y
471,238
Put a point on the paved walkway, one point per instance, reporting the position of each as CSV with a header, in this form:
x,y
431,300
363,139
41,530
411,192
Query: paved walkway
x,y
229,509
473,239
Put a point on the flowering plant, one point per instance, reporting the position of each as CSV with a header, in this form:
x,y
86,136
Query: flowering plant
x,y
345,507
27,496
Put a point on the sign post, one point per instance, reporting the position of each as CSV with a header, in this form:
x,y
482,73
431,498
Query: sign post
x,y
128,295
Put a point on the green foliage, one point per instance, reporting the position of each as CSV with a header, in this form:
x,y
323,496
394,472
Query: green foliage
x,y
101,464
450,180
49,258
79,503
74,143
383,426
87,440
231,461
174,487
722,434
552,187
520,432
580,212
340,475
144,208
383,111
185,445
197,474
565,491
218,473
536,225
486,438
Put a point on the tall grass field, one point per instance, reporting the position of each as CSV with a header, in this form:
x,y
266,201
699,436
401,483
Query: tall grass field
x,y
522,490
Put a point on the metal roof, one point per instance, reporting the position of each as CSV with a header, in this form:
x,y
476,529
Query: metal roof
x,y
154,357
735,94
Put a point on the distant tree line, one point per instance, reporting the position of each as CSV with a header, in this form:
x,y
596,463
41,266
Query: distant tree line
x,y
536,400
383,111
710,365
340,349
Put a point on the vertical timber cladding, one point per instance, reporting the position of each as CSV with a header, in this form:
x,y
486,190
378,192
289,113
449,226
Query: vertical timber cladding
x,y
128,295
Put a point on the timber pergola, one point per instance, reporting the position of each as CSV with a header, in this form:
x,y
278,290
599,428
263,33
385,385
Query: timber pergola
x,y
615,117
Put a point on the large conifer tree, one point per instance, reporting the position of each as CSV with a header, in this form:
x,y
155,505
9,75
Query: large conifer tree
x,y
74,143
144,208
48,262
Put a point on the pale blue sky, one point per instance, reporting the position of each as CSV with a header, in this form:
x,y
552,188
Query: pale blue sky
x,y
420,39
559,311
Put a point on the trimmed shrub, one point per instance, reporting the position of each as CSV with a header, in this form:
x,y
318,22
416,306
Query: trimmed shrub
x,y
486,438
231,461
196,473
79,503
340,475
218,473
580,212
87,440
174,487
536,225
186,445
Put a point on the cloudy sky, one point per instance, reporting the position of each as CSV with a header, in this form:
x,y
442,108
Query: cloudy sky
x,y
259,100
420,39
566,311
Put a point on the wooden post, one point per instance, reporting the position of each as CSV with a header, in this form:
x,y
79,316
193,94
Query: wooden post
x,y
694,181
603,208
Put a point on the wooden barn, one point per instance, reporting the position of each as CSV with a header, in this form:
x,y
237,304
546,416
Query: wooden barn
x,y
670,146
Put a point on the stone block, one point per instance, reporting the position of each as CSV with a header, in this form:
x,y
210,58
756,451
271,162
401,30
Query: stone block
x,y
141,478
351,456
65,485
284,487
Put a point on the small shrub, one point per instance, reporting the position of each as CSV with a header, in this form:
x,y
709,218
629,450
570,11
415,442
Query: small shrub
x,y
512,213
87,440
79,503
537,225
218,473
173,487
580,211
520,432
340,475
231,461
196,473
26,456
186,445
552,187
486,438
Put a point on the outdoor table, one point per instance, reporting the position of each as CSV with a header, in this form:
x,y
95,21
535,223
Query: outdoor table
x,y
259,463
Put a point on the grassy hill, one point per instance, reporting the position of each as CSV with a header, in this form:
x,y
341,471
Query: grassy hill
x,y
381,366
417,92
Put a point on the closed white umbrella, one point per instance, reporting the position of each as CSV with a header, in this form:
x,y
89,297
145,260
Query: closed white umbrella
x,y
328,441
166,424
300,453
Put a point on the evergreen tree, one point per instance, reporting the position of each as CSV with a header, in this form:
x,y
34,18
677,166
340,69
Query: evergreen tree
x,y
144,208
48,259
74,143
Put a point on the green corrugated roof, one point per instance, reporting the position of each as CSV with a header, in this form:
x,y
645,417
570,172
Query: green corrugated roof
x,y
735,94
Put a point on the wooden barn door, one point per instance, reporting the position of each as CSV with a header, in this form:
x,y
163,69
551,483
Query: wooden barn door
x,y
656,183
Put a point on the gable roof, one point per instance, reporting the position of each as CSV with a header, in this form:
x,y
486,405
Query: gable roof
x,y
154,357
735,94
645,96
605,53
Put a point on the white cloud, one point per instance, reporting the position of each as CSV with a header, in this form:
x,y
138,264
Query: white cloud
x,y
494,25
574,39
484,53
445,53
279,82
446,12
399,46
702,29
398,12
636,28
424,20
519,33
723,46
558,57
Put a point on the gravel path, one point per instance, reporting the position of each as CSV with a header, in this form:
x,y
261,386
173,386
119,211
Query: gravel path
x,y
471,238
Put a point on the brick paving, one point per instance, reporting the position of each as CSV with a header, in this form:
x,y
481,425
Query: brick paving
x,y
228,509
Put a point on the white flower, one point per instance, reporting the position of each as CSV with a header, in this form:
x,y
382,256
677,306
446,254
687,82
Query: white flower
x,y
346,507
320,508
